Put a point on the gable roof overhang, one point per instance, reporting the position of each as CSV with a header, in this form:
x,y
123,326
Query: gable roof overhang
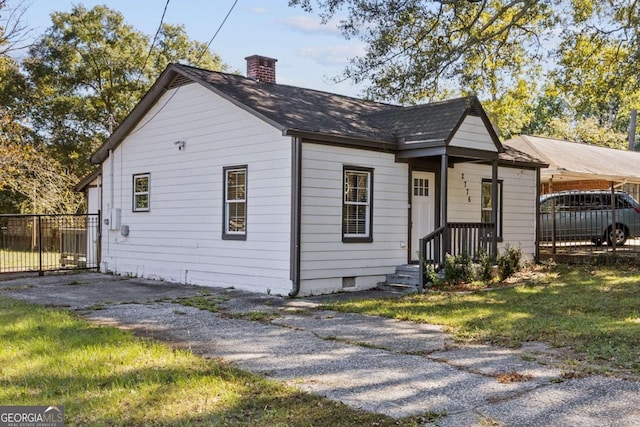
x,y
87,180
438,125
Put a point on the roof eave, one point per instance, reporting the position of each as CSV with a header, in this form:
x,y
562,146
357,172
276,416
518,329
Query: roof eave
x,y
84,182
385,145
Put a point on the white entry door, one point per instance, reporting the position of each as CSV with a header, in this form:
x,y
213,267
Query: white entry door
x,y
422,208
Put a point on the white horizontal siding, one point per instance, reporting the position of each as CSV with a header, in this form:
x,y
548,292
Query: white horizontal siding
x,y
473,133
180,238
518,204
325,259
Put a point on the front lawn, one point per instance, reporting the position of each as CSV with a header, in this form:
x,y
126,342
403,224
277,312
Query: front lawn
x,y
591,314
106,376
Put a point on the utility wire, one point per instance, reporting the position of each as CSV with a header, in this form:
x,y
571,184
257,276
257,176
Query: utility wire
x,y
153,42
217,31
155,37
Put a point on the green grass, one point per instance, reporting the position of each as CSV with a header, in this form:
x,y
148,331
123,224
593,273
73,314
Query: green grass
x,y
594,314
107,376
15,261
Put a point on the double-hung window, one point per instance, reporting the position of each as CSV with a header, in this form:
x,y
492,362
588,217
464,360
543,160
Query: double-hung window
x,y
357,205
235,203
141,192
486,204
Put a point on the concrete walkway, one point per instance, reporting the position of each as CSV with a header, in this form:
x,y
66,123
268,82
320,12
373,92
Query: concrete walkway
x,y
380,365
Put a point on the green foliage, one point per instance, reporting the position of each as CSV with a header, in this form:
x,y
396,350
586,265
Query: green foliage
x,y
509,262
500,50
458,269
79,80
485,270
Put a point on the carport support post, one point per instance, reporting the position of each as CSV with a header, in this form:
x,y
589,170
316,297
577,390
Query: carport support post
x,y
614,227
553,218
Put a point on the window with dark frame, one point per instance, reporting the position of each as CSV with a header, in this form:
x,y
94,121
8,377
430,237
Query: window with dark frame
x,y
235,203
141,192
485,206
357,205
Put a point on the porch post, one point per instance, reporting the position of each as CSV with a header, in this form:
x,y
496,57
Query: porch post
x,y
494,207
444,179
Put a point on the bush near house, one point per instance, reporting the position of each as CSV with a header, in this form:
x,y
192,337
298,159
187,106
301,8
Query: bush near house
x,y
461,268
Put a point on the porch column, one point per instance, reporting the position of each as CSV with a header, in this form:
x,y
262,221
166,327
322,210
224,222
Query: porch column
x,y
444,179
494,206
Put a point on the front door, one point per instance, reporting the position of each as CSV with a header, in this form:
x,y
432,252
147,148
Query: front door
x,y
422,208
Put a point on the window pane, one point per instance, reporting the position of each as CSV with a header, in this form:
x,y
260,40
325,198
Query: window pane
x,y
236,217
355,219
486,195
142,184
356,187
142,201
236,185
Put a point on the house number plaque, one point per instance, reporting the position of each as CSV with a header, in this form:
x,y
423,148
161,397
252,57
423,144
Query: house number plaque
x,y
464,183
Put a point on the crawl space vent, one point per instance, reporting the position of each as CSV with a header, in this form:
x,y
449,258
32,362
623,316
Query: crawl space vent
x,y
348,282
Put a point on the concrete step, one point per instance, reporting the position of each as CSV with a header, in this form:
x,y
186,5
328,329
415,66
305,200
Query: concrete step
x,y
408,274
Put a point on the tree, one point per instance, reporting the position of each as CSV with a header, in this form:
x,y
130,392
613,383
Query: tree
x,y
88,71
80,79
419,50
13,34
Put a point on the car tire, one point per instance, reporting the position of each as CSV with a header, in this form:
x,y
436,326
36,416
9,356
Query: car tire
x,y
620,234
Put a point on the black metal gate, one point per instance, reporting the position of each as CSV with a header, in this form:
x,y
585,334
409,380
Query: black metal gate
x,y
42,243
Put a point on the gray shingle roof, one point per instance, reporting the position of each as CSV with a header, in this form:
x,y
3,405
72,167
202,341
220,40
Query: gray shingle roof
x,y
326,113
319,114
298,108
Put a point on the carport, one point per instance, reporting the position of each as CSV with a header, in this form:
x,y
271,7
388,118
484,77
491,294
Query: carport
x,y
576,166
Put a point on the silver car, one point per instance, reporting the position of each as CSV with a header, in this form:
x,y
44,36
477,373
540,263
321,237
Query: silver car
x,y
588,216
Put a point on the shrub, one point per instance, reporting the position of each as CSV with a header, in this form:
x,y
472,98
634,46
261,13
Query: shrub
x,y
509,262
458,269
485,271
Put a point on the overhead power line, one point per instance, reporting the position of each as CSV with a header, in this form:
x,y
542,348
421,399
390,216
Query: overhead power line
x,y
216,33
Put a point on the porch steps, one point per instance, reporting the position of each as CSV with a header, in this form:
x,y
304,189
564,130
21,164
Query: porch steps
x,y
405,275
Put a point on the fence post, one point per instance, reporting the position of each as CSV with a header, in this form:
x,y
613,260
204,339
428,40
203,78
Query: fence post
x,y
40,270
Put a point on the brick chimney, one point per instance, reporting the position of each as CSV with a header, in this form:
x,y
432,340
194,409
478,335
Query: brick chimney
x,y
261,68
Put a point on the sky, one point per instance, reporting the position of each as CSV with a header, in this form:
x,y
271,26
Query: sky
x,y
309,54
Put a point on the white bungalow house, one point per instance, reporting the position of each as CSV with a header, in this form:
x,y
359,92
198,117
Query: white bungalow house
x,y
223,180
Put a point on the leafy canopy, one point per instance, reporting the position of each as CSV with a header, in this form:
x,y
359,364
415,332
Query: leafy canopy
x,y
513,54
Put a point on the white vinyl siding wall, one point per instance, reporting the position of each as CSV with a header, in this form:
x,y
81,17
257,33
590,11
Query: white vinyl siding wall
x,y
180,238
518,204
473,134
325,259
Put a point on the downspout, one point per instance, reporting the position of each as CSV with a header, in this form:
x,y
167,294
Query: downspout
x,y
296,215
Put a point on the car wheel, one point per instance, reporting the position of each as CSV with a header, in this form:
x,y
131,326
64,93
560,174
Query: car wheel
x,y
620,235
